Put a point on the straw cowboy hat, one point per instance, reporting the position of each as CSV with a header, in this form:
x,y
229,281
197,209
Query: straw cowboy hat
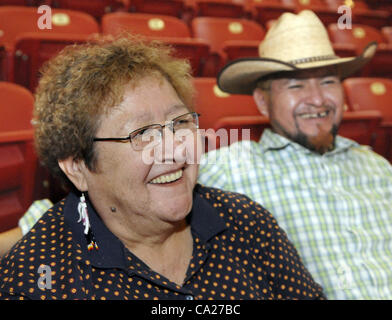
x,y
294,42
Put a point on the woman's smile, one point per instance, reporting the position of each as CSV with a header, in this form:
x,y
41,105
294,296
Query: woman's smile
x,y
167,178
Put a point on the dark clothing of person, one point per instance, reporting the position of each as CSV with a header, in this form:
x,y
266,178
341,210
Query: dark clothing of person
x,y
239,252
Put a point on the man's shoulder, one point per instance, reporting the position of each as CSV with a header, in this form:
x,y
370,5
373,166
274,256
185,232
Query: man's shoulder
x,y
356,151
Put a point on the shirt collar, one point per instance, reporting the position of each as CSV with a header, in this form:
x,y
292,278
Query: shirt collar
x,y
273,141
111,252
203,218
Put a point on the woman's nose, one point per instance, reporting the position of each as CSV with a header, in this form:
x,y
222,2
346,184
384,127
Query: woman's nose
x,y
170,149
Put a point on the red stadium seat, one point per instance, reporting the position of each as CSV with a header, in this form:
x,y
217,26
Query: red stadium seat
x,y
305,4
372,17
226,35
16,107
235,49
168,29
228,39
344,49
265,10
17,157
197,51
361,14
145,24
17,21
360,125
218,8
326,14
95,8
33,49
21,2
387,33
358,37
214,104
380,5
241,128
217,31
164,7
25,19
5,58
350,42
373,94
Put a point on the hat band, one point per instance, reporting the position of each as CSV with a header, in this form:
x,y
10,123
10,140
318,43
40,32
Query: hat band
x,y
313,59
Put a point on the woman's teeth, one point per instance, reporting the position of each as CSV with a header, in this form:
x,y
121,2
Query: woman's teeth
x,y
168,177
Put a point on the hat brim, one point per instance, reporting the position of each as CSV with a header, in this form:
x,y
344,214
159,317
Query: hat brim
x,y
242,75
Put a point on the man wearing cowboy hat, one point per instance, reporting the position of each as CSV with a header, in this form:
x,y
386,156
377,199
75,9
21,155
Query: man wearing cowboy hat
x,y
332,196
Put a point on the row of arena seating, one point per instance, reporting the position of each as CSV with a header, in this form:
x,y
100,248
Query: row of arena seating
x,y
375,13
208,43
368,120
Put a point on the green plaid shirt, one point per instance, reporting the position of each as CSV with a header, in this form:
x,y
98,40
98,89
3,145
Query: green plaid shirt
x,y
33,214
336,208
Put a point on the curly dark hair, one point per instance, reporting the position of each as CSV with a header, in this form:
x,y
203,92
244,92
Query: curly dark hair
x,y
85,81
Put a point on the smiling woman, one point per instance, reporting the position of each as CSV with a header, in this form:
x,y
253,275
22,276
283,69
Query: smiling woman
x,y
136,229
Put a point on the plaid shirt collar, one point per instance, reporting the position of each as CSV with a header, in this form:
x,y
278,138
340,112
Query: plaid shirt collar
x,y
272,141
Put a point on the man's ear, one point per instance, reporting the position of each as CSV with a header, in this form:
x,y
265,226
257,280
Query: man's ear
x,y
76,171
260,98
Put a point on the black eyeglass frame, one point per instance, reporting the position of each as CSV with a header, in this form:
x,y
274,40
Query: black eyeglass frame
x,y
170,125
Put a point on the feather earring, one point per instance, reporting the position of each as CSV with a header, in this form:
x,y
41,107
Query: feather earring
x,y
83,217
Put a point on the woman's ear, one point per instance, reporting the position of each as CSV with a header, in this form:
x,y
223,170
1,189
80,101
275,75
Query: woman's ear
x,y
260,98
76,171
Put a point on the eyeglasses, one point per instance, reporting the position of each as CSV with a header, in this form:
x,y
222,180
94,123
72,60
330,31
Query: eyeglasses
x,y
142,137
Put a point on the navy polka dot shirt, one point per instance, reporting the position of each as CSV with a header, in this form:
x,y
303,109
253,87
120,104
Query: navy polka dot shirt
x,y
239,252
